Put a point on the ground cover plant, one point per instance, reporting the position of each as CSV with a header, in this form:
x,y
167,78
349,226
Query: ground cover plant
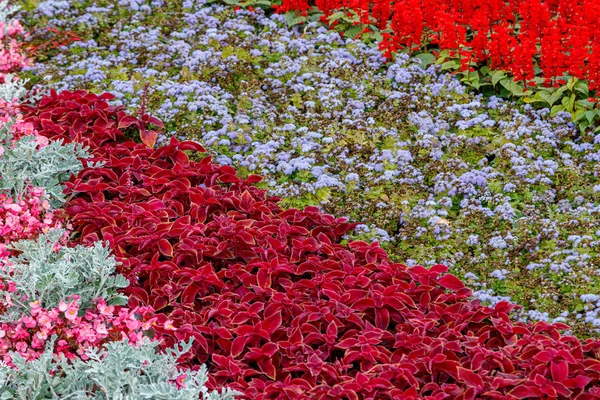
x,y
507,197
138,264
276,305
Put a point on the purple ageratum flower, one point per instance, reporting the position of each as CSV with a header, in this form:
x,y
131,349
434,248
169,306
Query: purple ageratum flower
x,y
498,242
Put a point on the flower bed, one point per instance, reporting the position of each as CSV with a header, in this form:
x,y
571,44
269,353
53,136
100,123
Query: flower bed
x,y
279,302
274,302
435,174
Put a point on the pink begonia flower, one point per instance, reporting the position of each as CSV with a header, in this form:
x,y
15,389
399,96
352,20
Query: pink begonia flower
x,y
169,325
12,286
62,306
35,307
7,359
42,141
135,337
13,207
133,324
179,381
37,342
71,312
45,321
21,347
42,335
101,330
148,324
29,322
104,309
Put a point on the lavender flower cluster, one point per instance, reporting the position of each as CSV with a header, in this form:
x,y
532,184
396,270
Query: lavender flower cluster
x,y
508,197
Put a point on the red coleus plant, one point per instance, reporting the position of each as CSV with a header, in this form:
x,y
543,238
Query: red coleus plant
x,y
277,306
88,119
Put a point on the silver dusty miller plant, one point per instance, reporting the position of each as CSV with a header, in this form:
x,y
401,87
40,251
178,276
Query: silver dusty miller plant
x,y
118,371
24,163
5,10
12,89
42,274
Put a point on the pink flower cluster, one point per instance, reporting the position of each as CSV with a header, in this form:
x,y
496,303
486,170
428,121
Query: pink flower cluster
x,y
12,57
75,330
25,217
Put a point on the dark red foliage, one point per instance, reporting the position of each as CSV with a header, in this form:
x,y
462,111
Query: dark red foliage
x,y
278,308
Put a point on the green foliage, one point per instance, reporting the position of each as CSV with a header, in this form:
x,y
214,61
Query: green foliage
x,y
571,97
26,164
117,371
266,4
49,276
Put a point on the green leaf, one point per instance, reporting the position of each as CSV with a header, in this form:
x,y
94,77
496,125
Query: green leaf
x,y
591,115
335,16
450,65
556,109
426,59
554,97
444,54
579,116
353,31
497,76
562,89
568,102
544,96
513,87
292,18
297,21
581,87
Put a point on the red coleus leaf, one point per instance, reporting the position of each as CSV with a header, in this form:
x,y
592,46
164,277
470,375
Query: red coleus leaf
x,y
272,323
188,296
165,247
127,121
560,370
267,367
382,318
578,382
525,391
148,137
451,282
469,377
238,345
